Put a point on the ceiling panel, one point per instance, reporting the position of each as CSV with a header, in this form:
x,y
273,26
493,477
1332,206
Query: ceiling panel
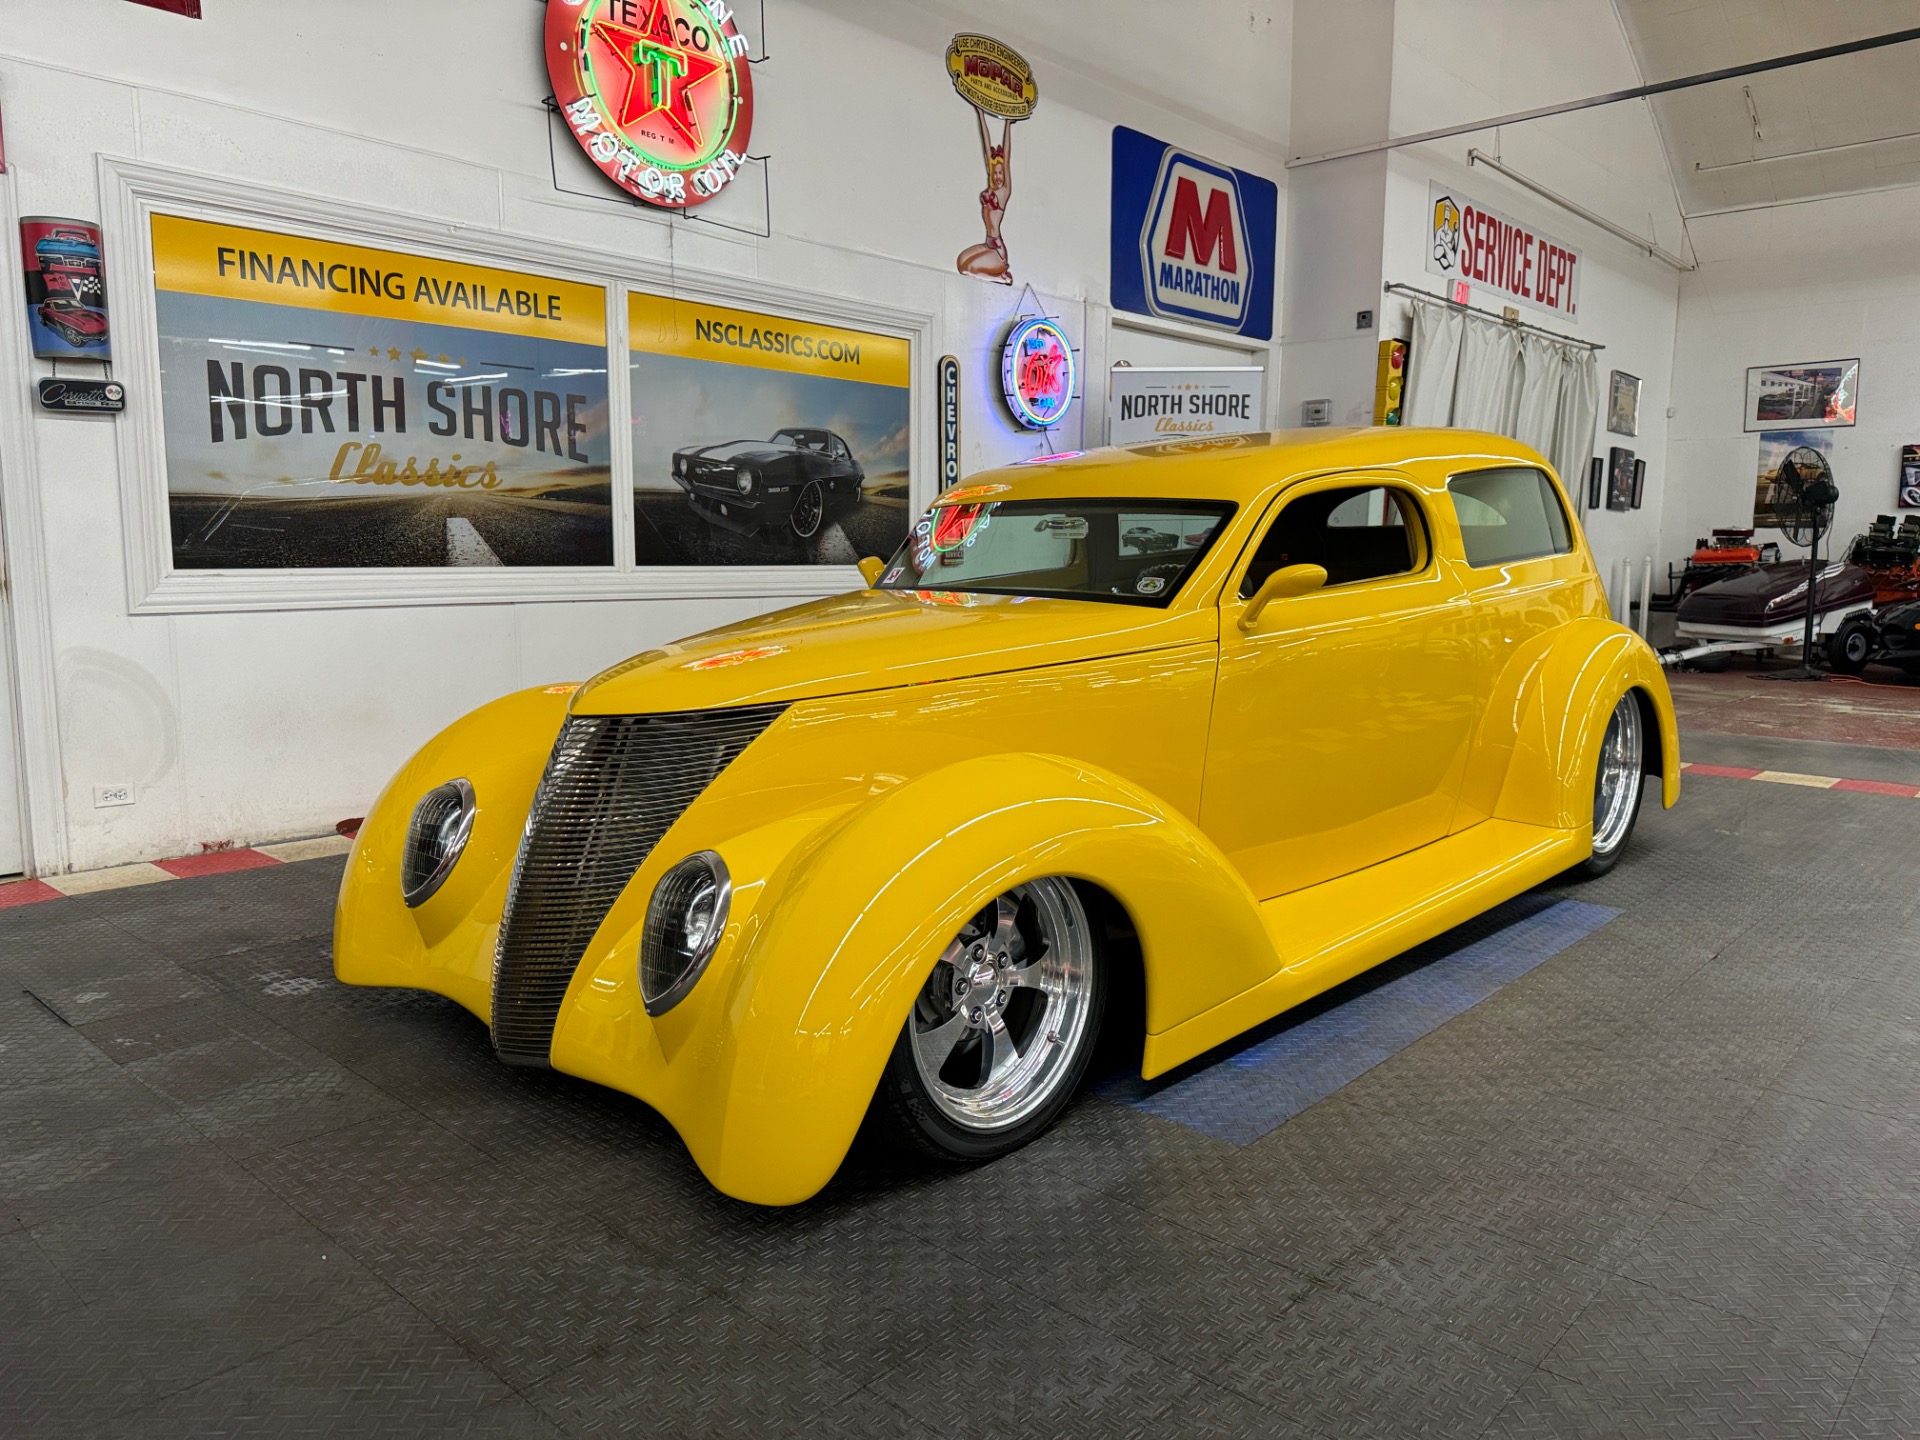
x,y
1718,160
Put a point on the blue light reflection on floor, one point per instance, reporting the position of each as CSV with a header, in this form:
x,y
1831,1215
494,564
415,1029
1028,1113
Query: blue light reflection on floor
x,y
1301,1059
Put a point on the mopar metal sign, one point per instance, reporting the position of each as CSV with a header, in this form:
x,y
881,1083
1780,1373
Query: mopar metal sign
x,y
1192,239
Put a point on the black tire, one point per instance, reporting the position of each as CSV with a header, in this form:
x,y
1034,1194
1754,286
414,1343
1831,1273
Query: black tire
x,y
1850,647
1622,756
909,1116
809,511
1710,664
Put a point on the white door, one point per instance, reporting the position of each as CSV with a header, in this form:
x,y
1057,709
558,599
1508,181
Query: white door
x,y
13,857
1150,349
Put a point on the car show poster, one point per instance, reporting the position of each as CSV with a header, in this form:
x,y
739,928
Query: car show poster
x,y
1146,403
66,289
1775,449
330,405
764,440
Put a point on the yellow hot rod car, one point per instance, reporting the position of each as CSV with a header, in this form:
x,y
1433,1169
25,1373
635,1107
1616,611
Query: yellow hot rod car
x,y
1220,723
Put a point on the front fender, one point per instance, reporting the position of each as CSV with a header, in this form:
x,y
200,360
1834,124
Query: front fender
x,y
846,936
446,945
1559,694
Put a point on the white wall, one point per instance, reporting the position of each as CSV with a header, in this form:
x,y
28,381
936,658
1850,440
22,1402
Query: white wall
x,y
1826,280
1342,96
1360,222
249,727
1627,304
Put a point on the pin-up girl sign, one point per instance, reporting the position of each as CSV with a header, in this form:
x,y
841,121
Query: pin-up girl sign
x,y
995,80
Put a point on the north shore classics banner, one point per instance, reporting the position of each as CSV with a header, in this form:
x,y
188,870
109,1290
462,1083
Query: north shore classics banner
x,y
331,405
765,440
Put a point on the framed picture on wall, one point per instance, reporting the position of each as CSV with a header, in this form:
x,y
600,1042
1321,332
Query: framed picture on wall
x,y
1811,395
1639,482
1623,403
1619,479
1910,477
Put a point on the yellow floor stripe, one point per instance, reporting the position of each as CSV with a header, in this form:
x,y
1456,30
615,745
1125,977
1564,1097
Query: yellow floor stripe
x,y
1787,777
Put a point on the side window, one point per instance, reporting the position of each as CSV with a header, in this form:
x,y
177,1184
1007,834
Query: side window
x,y
1360,532
1509,514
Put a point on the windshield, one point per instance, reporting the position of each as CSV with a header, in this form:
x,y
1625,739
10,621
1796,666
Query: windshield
x,y
1129,552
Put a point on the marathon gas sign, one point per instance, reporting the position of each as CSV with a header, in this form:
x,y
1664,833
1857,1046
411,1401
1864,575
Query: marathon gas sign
x,y
1192,239
1473,242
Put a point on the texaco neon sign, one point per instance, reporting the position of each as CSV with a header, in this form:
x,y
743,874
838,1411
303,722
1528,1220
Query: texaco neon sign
x,y
658,92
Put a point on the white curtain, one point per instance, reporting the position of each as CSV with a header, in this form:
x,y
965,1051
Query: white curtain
x,y
1477,374
1573,424
1433,364
1487,393
1542,367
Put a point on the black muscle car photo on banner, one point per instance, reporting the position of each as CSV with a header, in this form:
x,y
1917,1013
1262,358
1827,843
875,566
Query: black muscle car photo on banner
x,y
764,441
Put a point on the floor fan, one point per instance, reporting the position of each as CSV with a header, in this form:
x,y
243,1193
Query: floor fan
x,y
1801,496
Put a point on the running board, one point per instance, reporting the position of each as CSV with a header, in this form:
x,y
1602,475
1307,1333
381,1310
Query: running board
x,y
1332,931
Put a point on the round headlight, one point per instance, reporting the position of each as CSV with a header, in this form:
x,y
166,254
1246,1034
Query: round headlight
x,y
685,919
436,835
744,480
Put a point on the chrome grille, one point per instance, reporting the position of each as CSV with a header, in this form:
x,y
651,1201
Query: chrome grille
x,y
613,787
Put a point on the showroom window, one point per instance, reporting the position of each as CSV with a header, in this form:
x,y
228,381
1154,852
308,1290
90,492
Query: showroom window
x,y
1509,514
1357,532
340,407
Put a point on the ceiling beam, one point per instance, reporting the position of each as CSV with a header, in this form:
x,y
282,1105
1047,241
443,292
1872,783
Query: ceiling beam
x,y
1638,92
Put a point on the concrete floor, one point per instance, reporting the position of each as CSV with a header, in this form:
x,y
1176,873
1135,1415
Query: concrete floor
x,y
1667,1182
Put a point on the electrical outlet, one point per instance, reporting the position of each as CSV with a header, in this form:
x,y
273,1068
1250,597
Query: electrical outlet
x,y
107,796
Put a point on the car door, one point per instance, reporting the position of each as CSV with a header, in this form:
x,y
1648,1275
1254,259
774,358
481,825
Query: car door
x,y
1343,718
1524,578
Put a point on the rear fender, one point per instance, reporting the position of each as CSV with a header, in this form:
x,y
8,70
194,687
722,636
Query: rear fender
x,y
832,975
1556,696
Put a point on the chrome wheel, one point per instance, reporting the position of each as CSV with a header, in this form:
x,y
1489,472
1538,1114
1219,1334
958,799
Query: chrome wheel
x,y
809,508
998,1029
1616,788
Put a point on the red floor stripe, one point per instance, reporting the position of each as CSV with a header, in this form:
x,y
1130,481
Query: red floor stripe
x,y
1879,787
27,892
1725,772
216,862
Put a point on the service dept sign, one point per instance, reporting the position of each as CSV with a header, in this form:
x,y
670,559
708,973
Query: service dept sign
x,y
1473,242
1192,239
659,93
1146,403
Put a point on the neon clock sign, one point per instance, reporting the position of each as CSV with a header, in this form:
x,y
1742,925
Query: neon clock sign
x,y
1037,374
659,93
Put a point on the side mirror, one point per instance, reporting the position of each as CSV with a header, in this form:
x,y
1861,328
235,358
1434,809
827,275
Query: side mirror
x,y
870,568
1288,580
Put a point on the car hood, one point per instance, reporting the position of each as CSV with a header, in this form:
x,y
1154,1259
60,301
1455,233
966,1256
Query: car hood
x,y
879,639
732,451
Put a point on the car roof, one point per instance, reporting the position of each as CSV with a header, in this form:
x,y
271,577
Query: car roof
x,y
1231,467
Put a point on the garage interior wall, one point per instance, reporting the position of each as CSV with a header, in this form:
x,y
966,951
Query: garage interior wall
x,y
1362,221
1825,280
252,726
